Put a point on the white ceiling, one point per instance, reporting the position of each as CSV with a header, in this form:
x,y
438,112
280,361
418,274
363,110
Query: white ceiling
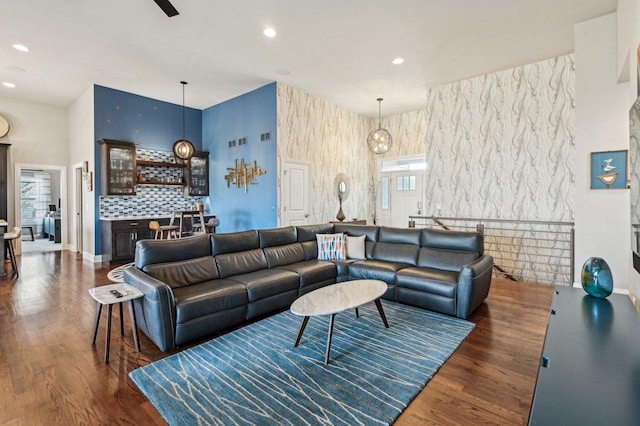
x,y
340,50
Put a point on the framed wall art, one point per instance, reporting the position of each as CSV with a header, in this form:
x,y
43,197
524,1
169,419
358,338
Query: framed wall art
x,y
609,170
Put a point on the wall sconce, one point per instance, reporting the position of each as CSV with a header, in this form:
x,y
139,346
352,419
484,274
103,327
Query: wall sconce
x,y
243,174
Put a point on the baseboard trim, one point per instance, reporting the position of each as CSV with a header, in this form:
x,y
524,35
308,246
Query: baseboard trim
x,y
91,257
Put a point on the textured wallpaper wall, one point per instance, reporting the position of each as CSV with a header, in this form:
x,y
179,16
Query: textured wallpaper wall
x,y
333,140
497,146
502,145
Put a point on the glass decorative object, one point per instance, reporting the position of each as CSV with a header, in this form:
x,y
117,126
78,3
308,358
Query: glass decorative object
x,y
597,280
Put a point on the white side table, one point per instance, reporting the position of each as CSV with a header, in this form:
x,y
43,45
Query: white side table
x,y
103,296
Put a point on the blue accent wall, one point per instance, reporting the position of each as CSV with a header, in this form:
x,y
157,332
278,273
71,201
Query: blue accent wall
x,y
247,116
151,123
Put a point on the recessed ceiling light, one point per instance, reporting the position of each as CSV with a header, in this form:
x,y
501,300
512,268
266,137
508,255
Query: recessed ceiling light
x,y
20,47
397,61
8,84
269,32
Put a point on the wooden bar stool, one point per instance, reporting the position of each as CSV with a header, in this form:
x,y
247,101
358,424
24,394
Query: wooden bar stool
x,y
9,238
193,214
210,226
171,230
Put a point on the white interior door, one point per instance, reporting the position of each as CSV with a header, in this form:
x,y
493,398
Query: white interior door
x,y
406,196
295,194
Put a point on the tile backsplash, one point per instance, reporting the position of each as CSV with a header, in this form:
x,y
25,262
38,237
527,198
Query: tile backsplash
x,y
150,200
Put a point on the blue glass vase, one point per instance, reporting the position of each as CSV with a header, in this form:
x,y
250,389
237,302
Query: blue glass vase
x,y
597,280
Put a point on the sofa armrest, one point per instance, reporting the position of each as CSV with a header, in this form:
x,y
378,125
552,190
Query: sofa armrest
x,y
474,281
154,311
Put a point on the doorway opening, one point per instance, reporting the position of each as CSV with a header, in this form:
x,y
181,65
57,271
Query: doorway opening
x,y
39,207
400,192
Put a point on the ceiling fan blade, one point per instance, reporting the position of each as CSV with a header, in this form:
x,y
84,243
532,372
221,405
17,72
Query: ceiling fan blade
x,y
167,7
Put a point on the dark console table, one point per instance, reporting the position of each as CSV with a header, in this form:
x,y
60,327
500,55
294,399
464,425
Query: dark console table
x,y
590,369
52,229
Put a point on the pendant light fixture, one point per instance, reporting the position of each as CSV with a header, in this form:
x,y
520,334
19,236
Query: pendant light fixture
x,y
380,140
183,148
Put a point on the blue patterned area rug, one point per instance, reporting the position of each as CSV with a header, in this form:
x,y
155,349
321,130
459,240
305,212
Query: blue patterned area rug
x,y
254,375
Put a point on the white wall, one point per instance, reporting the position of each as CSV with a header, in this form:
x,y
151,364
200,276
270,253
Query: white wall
x,y
81,143
602,220
38,135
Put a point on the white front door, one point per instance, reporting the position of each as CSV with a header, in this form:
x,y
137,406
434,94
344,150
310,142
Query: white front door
x,y
295,194
406,196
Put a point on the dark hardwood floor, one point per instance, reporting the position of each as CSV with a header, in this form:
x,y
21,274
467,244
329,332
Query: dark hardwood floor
x,y
51,374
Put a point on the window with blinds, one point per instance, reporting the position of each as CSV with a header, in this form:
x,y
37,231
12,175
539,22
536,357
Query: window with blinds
x,y
35,197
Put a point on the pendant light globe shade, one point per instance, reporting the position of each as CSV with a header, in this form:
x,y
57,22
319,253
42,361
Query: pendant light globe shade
x,y
379,141
183,148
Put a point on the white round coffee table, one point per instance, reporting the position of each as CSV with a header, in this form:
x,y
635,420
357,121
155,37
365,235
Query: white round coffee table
x,y
336,298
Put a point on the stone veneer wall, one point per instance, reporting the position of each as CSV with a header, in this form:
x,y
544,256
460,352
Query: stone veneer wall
x,y
333,140
499,145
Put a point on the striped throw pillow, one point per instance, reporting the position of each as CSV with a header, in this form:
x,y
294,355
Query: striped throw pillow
x,y
331,246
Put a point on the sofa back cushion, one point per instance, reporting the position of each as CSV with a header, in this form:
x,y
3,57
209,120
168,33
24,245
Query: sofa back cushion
x,y
446,260
449,250
369,231
284,255
308,232
234,242
241,263
149,252
310,249
277,237
185,272
399,253
453,240
410,236
397,245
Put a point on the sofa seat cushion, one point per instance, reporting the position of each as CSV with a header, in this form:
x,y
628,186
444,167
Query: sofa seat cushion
x,y
312,271
376,270
268,282
206,298
434,281
342,266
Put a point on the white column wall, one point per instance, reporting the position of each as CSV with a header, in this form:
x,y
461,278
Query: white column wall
x,y
82,146
602,219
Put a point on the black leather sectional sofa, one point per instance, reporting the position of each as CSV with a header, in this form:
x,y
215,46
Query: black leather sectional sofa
x,y
196,286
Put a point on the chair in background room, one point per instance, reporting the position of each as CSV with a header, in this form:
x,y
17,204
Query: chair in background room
x,y
171,230
210,226
9,238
